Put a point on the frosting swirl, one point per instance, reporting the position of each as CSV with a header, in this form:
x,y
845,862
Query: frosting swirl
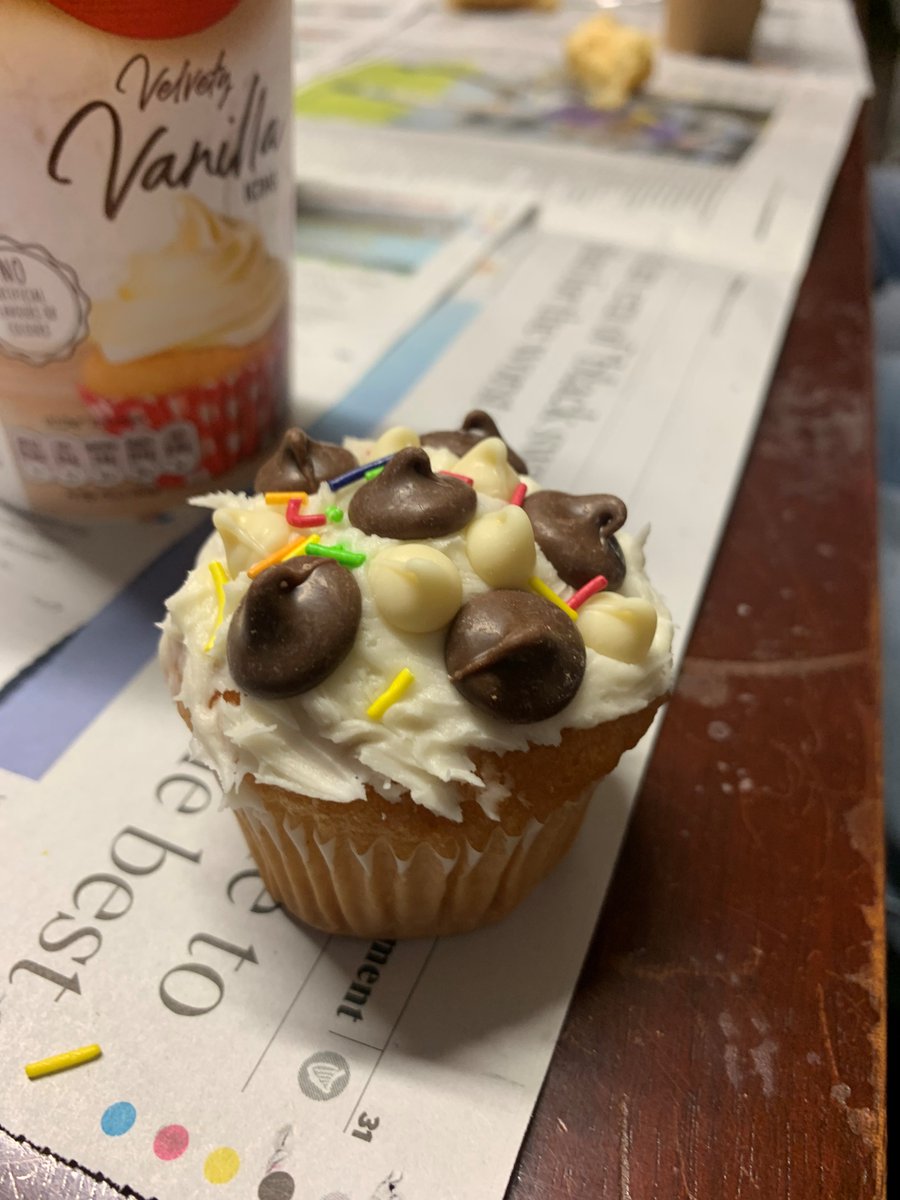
x,y
214,284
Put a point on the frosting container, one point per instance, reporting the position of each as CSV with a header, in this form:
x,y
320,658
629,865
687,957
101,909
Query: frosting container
x,y
145,228
407,705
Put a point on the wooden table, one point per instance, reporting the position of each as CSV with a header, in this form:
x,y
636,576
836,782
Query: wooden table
x,y
727,1036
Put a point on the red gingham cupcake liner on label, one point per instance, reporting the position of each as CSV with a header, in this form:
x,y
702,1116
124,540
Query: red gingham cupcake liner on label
x,y
178,438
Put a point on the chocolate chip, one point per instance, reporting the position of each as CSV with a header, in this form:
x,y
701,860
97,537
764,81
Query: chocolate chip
x,y
300,464
515,655
407,500
475,428
295,625
575,533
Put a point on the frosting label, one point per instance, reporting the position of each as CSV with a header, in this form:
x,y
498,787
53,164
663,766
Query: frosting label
x,y
145,231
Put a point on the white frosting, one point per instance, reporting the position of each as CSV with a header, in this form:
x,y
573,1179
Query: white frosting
x,y
322,744
214,284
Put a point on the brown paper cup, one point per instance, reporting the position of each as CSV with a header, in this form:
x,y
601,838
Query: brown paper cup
x,y
718,28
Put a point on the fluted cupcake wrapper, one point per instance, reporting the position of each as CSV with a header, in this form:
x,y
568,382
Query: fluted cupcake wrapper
x,y
377,894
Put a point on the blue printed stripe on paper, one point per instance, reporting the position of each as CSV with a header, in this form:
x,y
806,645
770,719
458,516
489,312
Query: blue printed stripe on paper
x,y
46,709
388,382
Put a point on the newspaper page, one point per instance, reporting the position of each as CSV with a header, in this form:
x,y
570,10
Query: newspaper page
x,y
327,32
729,164
369,264
623,342
57,574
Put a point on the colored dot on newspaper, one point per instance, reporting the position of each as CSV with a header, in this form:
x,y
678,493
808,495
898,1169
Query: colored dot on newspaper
x,y
276,1186
221,1165
118,1118
170,1142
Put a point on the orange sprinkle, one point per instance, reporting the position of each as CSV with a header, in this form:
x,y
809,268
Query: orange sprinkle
x,y
277,557
285,497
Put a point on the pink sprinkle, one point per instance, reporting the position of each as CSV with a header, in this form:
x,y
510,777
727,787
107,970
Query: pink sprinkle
x,y
464,478
518,494
597,584
302,520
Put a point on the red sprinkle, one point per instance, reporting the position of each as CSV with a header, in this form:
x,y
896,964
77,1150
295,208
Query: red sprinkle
x,y
597,584
519,495
464,478
300,520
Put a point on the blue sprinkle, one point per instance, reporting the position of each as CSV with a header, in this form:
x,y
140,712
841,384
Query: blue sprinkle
x,y
340,481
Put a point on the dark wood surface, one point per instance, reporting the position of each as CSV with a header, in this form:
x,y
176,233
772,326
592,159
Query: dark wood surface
x,y
727,1038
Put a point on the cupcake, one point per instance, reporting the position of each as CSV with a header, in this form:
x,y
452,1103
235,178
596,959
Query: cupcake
x,y
410,675
191,349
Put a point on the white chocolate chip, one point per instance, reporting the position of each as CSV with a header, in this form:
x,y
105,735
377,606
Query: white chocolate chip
x,y
487,465
392,440
415,587
250,534
500,547
619,627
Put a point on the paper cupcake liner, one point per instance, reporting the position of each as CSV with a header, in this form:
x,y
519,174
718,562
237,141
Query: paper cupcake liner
x,y
175,439
377,894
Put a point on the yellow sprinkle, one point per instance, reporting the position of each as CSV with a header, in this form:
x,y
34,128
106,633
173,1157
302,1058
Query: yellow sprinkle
x,y
62,1062
300,547
285,497
220,578
538,585
390,695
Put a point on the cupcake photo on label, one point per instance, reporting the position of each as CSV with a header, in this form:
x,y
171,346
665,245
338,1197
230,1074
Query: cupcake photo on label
x,y
190,347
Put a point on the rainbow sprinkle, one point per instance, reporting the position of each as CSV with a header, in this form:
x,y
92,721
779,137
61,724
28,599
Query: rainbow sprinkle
x,y
277,557
374,473
347,558
285,497
299,520
333,513
360,472
301,546
538,585
220,578
519,493
62,1062
454,475
597,584
390,695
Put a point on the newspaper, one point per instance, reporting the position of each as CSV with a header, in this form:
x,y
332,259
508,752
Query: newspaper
x,y
327,32
623,339
57,574
724,163
369,264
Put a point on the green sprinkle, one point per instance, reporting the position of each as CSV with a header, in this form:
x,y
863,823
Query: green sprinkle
x,y
334,513
347,558
374,472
